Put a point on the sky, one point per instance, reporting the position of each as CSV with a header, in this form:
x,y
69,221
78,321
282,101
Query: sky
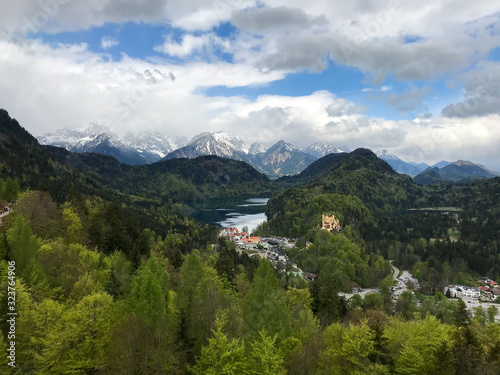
x,y
420,79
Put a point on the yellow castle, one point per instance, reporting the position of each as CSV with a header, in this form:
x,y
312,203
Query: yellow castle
x,y
330,223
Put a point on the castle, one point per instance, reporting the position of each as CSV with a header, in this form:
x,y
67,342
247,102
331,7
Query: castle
x,y
330,223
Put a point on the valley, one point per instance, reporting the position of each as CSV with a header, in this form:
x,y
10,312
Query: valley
x,y
138,243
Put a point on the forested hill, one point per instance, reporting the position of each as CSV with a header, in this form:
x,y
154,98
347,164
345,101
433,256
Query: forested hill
x,y
177,180
330,163
371,179
346,184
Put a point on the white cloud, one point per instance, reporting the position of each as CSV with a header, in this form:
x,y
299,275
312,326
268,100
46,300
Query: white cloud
x,y
70,86
190,44
108,42
304,120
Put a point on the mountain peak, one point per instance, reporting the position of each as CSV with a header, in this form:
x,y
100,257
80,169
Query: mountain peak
x,y
399,165
320,149
385,155
256,148
461,163
282,146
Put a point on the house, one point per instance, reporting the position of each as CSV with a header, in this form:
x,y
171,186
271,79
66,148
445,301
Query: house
x,y
471,292
330,223
247,243
483,289
254,240
493,284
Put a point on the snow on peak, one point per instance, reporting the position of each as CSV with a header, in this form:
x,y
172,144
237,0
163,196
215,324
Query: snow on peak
x,y
320,149
386,155
256,148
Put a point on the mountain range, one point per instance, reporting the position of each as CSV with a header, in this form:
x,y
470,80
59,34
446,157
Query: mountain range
x,y
400,165
132,149
460,171
137,149
281,159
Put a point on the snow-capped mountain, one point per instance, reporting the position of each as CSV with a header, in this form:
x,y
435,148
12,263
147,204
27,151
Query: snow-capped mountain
x,y
279,160
400,165
220,144
68,137
154,143
282,159
133,149
320,149
257,148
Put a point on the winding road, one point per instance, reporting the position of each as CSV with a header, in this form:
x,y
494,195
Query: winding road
x,y
395,270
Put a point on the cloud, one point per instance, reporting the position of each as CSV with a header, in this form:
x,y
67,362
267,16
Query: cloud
x,y
258,20
482,93
370,36
304,52
272,39
342,107
133,94
382,89
129,93
408,100
27,16
297,35
190,44
108,42
304,120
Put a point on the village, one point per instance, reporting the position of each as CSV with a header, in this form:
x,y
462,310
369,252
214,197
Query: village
x,y
273,249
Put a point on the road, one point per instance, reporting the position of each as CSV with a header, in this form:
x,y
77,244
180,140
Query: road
x,y
366,291
471,303
395,270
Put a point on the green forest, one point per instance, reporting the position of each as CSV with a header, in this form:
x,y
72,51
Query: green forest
x,y
113,276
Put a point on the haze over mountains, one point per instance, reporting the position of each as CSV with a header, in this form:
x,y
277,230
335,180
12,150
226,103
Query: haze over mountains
x,y
460,171
281,159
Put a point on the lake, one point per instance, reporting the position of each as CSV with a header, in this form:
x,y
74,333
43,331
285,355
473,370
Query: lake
x,y
233,213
